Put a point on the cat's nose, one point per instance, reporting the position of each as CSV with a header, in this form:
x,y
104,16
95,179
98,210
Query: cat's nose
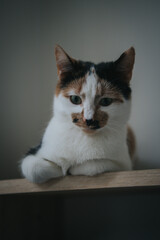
x,y
89,122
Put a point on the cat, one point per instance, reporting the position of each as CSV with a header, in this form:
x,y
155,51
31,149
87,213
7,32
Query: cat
x,y
88,133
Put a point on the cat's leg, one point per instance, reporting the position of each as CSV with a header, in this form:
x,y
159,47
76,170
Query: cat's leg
x,y
93,167
39,170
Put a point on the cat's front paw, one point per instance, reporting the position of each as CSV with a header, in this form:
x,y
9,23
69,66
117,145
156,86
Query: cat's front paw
x,y
39,170
73,170
82,169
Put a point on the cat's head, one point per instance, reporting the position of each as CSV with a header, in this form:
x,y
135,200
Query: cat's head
x,y
94,96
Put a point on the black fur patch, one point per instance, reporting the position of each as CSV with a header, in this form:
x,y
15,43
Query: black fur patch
x,y
108,72
79,70
34,150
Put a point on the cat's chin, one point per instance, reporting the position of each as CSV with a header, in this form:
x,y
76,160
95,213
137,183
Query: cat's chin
x,y
90,130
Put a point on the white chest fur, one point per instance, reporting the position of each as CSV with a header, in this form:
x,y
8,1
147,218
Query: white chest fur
x,y
66,145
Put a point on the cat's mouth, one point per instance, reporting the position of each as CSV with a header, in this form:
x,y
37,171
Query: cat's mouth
x,y
90,125
90,129
93,127
86,127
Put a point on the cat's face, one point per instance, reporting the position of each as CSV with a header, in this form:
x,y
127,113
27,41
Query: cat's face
x,y
94,96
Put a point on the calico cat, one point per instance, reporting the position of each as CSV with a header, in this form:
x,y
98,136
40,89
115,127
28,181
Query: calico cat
x,y
88,133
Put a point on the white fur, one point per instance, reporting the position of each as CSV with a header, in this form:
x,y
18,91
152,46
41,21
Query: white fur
x,y
66,147
89,89
39,170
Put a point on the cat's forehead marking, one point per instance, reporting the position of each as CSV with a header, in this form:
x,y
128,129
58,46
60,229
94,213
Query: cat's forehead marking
x,y
92,70
89,90
90,84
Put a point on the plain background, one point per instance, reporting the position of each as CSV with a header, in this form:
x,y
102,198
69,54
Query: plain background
x,y
88,30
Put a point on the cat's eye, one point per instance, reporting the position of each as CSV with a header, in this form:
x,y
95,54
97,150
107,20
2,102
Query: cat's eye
x,y
105,102
75,99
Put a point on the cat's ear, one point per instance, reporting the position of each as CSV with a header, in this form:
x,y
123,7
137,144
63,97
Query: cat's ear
x,y
65,64
124,65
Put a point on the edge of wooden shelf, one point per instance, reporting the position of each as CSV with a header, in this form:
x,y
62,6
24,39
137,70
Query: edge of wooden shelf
x,y
111,180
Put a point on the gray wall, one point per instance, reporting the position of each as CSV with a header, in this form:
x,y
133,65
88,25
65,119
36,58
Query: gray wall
x,y
88,30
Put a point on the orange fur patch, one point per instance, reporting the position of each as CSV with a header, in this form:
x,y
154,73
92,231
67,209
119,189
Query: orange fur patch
x,y
75,85
101,117
99,120
131,142
105,89
58,89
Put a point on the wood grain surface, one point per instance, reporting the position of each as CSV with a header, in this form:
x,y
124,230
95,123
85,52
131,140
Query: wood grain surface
x,y
111,180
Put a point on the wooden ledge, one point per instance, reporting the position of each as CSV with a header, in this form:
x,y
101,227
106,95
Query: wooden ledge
x,y
111,180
